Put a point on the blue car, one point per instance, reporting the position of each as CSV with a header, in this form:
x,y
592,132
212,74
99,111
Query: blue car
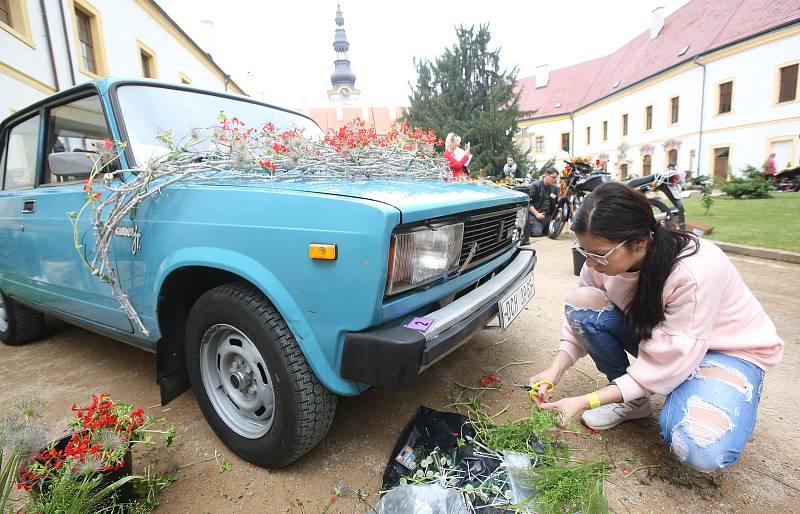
x,y
268,299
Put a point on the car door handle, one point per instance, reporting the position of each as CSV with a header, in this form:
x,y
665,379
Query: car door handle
x,y
28,206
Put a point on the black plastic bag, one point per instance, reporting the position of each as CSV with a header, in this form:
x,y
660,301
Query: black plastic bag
x,y
427,430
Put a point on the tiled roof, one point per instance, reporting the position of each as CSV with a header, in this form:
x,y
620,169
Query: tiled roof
x,y
700,25
564,91
378,117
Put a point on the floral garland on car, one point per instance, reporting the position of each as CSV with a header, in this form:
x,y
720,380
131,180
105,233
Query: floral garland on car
x,y
232,152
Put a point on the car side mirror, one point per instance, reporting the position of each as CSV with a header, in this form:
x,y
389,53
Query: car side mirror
x,y
72,164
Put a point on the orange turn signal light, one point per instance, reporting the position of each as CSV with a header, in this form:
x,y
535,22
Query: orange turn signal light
x,y
322,251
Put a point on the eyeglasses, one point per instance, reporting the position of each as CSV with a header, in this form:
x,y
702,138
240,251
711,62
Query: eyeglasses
x,y
599,259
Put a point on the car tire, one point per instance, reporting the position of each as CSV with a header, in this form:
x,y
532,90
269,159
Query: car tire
x,y
19,324
251,379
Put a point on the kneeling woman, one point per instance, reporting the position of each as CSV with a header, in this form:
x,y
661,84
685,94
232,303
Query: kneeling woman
x,y
679,306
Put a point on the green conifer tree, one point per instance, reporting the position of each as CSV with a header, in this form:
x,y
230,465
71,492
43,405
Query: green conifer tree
x,y
465,91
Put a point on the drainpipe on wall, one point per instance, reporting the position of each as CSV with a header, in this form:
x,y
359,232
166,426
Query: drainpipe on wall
x,y
49,44
702,104
66,40
571,136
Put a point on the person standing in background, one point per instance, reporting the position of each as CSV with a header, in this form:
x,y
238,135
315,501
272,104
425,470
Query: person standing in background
x,y
768,168
510,168
457,157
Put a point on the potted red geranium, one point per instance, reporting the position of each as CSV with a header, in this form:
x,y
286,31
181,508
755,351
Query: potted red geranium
x,y
94,460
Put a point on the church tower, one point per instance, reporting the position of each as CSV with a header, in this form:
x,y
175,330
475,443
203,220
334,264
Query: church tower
x,y
343,79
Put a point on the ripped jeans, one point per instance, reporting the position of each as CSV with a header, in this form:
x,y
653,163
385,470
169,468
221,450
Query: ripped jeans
x,y
708,418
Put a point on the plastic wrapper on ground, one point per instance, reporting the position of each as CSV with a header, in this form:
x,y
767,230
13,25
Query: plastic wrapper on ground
x,y
422,499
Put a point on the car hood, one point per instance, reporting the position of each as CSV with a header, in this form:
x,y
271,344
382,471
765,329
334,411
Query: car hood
x,y
418,199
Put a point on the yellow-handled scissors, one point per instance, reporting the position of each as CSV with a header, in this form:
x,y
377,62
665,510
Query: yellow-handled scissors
x,y
533,389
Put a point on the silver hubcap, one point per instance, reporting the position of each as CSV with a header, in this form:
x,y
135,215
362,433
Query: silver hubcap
x,y
3,315
237,381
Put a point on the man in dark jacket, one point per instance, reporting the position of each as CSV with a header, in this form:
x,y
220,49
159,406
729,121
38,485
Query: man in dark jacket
x,y
544,195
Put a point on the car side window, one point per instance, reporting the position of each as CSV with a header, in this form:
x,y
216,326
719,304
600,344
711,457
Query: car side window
x,y
75,128
20,154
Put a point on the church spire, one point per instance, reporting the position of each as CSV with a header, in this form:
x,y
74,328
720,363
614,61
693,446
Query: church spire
x,y
343,79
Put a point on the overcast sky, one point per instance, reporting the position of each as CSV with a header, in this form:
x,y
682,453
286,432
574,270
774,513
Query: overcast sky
x,y
284,51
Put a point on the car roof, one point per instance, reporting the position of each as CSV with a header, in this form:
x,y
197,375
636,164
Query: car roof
x,y
106,84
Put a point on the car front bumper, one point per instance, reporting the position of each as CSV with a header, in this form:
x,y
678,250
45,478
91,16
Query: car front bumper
x,y
390,357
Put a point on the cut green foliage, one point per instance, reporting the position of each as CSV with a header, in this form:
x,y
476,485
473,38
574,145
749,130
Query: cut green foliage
x,y
567,489
516,435
561,484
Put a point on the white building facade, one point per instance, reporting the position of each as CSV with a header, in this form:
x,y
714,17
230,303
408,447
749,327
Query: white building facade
x,y
713,115
51,45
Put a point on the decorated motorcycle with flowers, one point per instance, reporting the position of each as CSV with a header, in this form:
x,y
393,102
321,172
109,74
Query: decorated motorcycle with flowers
x,y
577,180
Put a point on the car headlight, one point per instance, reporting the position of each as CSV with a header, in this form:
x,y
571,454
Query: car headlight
x,y
522,219
422,255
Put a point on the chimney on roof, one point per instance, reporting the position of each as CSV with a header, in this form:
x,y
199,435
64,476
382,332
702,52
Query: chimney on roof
x,y
542,75
208,36
658,22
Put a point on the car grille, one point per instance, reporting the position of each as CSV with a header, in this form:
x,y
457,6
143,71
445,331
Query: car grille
x,y
492,231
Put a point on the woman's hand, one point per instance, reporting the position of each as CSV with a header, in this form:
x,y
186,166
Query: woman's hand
x,y
543,394
568,408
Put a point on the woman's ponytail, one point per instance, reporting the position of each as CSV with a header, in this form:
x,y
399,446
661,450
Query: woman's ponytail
x,y
617,213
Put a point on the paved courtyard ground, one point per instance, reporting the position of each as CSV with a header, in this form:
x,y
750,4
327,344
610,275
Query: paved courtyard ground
x,y
70,364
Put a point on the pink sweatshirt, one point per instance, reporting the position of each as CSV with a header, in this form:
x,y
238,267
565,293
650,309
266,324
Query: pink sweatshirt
x,y
707,307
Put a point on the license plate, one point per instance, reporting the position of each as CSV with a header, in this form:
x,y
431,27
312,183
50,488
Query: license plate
x,y
676,190
514,302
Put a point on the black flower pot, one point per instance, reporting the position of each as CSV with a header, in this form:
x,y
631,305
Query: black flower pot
x,y
124,494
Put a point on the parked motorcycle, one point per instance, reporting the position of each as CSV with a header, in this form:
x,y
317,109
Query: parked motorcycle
x,y
668,183
578,180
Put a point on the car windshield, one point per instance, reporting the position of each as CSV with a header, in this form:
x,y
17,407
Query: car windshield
x,y
148,111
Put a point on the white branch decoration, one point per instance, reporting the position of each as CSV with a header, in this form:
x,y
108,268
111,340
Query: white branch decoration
x,y
230,153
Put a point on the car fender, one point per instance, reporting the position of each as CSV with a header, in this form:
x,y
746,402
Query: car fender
x,y
255,273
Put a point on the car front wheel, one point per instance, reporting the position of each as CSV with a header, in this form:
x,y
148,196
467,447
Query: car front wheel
x,y
251,379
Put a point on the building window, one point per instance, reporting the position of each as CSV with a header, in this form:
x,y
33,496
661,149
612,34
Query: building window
x,y
14,20
148,59
672,157
721,159
147,65
588,135
788,83
87,42
648,117
623,171
647,162
673,108
89,39
565,141
539,144
624,124
5,12
725,97
605,131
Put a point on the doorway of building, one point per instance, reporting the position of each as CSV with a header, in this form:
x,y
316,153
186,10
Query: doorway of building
x,y
672,158
623,171
647,162
783,153
721,161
